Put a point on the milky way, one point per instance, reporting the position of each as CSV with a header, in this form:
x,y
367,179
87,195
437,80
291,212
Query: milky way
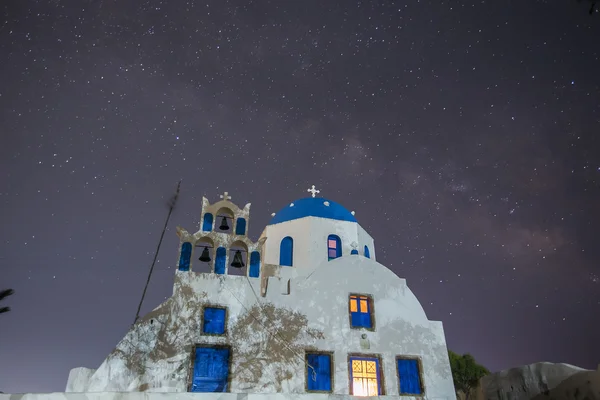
x,y
463,134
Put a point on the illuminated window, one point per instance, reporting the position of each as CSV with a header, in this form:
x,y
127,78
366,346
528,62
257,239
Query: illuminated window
x,y
361,315
365,376
334,247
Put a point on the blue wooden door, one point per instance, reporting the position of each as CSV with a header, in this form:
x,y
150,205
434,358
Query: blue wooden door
x,y
211,369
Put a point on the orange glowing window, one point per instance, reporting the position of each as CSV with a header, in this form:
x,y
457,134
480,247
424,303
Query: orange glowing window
x,y
360,311
365,376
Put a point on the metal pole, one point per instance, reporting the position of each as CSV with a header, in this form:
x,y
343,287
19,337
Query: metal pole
x,y
171,207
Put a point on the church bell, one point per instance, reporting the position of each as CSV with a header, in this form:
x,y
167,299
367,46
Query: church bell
x,y
224,226
205,257
237,260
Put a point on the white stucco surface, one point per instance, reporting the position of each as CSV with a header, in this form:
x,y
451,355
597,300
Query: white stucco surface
x,y
310,240
157,353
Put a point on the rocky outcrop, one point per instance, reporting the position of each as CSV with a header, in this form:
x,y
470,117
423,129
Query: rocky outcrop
x,y
541,381
79,379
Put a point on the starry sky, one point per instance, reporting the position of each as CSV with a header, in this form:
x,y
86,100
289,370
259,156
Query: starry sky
x,y
463,133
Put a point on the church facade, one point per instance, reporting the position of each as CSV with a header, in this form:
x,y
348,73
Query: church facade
x,y
306,309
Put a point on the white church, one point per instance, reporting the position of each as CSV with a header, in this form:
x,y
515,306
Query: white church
x,y
305,312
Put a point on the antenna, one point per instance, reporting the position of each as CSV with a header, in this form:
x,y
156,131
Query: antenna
x,y
172,203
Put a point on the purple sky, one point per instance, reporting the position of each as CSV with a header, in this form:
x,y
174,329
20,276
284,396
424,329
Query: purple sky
x,y
463,134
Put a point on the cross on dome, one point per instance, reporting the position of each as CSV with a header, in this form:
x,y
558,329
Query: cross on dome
x,y
313,191
225,196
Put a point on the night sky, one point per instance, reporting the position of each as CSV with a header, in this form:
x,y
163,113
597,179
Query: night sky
x,y
465,135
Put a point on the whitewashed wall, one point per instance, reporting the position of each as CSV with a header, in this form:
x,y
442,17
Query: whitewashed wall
x,y
310,240
156,354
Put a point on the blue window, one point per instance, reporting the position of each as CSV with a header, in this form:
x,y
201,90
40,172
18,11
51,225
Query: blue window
x,y
286,251
334,247
410,379
318,372
254,264
214,321
354,252
367,253
365,376
220,261
185,256
361,309
211,369
208,222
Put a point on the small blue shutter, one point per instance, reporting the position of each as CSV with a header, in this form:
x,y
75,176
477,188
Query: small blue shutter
x,y
254,264
319,379
185,256
214,321
220,261
286,251
367,254
354,252
240,226
208,222
408,372
366,317
211,369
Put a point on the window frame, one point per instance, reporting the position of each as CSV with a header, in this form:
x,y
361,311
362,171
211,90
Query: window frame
x,y
420,370
370,305
331,370
380,373
225,318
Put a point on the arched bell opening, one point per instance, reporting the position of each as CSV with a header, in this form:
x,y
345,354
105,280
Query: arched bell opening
x,y
185,256
207,222
224,221
238,259
205,251
254,268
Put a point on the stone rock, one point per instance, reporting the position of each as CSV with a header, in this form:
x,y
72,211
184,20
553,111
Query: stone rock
x,y
541,381
79,379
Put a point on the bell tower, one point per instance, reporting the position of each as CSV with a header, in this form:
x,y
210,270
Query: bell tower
x,y
221,245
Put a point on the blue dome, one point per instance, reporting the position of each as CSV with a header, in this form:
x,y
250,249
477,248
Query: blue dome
x,y
312,207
